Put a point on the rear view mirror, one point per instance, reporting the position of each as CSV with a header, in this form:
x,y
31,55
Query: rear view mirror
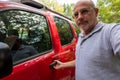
x,y
5,60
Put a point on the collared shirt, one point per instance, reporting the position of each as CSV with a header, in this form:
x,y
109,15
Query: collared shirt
x,y
98,54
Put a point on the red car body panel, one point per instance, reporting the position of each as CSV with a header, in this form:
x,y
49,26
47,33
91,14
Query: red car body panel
x,y
38,67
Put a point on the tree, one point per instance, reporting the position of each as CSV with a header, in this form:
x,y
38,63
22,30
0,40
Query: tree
x,y
54,5
65,9
109,10
68,10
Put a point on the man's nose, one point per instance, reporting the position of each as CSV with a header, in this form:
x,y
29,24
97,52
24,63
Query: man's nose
x,y
80,16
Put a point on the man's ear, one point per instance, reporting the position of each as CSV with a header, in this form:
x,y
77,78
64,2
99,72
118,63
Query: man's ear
x,y
96,11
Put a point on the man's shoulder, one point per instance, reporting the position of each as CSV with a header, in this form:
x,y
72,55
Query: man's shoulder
x,y
110,26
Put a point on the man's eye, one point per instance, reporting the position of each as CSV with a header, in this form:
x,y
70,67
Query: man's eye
x,y
84,11
76,14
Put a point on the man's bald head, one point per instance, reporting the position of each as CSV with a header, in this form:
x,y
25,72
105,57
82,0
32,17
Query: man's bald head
x,y
88,2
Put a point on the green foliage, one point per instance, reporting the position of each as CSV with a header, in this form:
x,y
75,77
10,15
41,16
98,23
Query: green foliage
x,y
109,10
65,9
68,10
54,5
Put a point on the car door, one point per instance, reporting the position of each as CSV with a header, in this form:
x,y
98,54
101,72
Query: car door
x,y
33,30
66,53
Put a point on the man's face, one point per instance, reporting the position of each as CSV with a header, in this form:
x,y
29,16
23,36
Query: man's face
x,y
85,16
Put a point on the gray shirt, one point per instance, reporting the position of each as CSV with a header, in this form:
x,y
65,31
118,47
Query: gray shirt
x,y
98,54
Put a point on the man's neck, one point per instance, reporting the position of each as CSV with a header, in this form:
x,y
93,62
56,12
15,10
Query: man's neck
x,y
87,32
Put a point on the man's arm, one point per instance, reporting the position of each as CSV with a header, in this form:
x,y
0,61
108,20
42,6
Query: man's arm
x,y
115,39
61,65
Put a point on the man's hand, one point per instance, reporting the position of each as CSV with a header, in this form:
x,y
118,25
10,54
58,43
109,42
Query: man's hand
x,y
59,64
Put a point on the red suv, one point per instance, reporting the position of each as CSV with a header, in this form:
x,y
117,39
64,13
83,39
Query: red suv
x,y
36,36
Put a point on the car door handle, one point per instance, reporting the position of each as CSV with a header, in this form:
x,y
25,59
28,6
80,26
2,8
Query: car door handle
x,y
52,64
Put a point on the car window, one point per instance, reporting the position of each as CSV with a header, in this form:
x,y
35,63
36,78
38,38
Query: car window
x,y
77,29
64,30
26,33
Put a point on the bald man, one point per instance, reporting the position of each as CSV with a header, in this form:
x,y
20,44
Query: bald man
x,y
98,47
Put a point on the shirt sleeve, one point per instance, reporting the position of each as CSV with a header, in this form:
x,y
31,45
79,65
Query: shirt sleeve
x,y
115,39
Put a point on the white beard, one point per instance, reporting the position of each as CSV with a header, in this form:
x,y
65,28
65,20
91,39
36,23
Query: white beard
x,y
85,28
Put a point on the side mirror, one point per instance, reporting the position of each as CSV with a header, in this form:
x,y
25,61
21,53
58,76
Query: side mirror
x,y
5,60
